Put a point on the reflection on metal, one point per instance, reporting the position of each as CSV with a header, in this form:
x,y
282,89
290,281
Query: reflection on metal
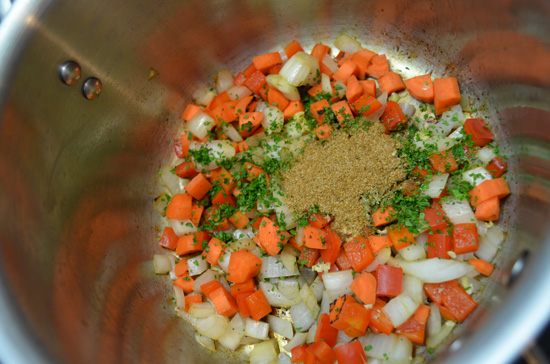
x,y
91,88
70,72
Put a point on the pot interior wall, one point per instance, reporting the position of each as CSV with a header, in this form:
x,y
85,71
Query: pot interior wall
x,y
78,177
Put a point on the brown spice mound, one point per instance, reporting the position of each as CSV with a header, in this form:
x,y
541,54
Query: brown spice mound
x,y
334,176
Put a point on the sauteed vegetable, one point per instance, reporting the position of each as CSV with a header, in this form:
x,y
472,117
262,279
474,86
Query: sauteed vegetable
x,y
322,209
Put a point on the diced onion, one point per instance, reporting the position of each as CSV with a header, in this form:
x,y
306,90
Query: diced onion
x,y
311,334
238,93
231,338
343,338
347,44
231,133
301,317
433,341
458,211
201,310
381,258
182,227
264,353
489,244
388,348
476,176
200,124
274,297
224,81
308,275
400,308
317,287
375,116
413,252
280,326
256,329
433,325
273,120
436,185
283,359
307,296
486,154
421,240
161,202
414,288
301,69
197,265
329,63
224,259
249,340
203,96
212,326
340,88
272,267
325,303
408,109
454,117
206,277
288,258
457,134
338,283
281,84
325,84
433,270
162,263
299,235
218,151
174,183
180,297
298,339
205,341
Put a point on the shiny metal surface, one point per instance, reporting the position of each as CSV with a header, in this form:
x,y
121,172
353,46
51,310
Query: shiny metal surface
x,y
70,73
78,178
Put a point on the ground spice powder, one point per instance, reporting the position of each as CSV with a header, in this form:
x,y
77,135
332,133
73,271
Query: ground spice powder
x,y
336,174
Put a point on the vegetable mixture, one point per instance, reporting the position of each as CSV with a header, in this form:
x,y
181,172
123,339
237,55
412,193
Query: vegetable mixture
x,y
323,209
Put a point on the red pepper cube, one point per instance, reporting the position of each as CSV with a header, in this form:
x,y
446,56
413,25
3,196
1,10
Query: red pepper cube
x,y
389,280
465,238
480,132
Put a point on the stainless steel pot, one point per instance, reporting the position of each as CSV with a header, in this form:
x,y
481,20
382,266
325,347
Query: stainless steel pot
x,y
77,177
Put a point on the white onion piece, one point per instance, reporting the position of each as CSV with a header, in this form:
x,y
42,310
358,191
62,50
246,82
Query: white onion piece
x,y
212,326
383,347
381,258
325,303
308,275
454,117
218,150
340,88
162,263
264,353
458,211
301,317
256,329
231,133
298,339
325,84
408,109
281,84
436,185
414,288
343,338
433,325
280,326
260,106
197,265
311,334
273,120
489,244
476,176
238,92
274,297
338,283
205,341
289,287
301,69
299,235
402,352
201,310
200,124
400,308
307,296
283,359
203,96
434,340
161,202
421,240
182,227
283,55
172,182
272,267
486,154
433,270
375,116
413,252
249,341
329,63
288,258
317,287
206,277
224,81
458,133
223,263
347,44
180,297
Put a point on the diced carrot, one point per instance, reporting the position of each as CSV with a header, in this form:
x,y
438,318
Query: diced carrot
x,y
351,315
246,286
378,66
364,287
275,69
379,320
258,305
214,251
341,57
292,108
318,220
345,71
266,61
189,244
198,187
393,116
277,99
323,68
181,268
180,207
366,105
222,177
189,300
169,239
186,170
249,122
185,282
352,353
295,245
213,217
459,303
359,253
336,307
333,245
241,303
421,88
243,146
314,90
314,238
308,256
298,354
342,111
209,287
488,189
354,89
377,242
342,260
292,48
317,110
480,132
239,220
325,332
256,82
436,291
223,198
369,87
482,266
224,303
415,327
190,111
319,51
253,171
497,167
321,352
384,215
218,100
488,210
401,237
242,105
391,82
446,94
184,142
465,238
444,162
389,280
243,266
241,77
439,245
435,217
323,131
272,237
362,58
